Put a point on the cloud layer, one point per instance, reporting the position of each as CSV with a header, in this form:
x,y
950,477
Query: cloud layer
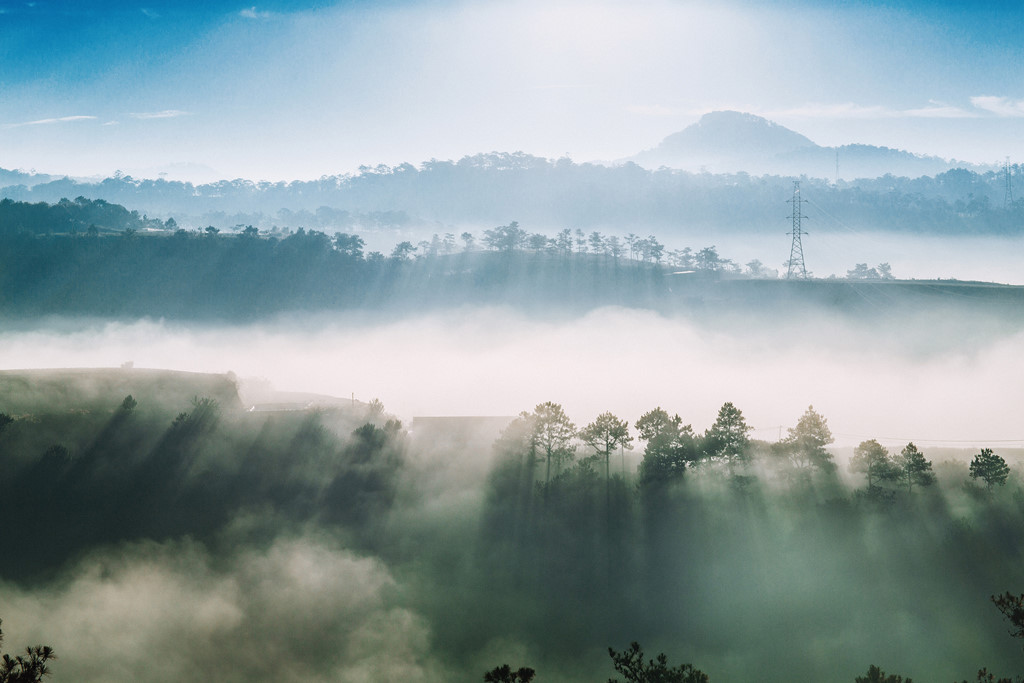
x,y
927,380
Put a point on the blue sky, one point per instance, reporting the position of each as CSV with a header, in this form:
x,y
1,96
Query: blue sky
x,y
282,90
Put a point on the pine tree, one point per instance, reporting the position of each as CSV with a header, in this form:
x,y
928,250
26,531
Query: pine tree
x,y
27,668
727,440
872,459
913,468
990,467
804,446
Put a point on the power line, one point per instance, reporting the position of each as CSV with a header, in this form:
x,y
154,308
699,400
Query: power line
x,y
934,442
838,222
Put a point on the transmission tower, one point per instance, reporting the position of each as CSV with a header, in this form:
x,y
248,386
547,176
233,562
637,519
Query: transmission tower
x,y
796,250
1008,196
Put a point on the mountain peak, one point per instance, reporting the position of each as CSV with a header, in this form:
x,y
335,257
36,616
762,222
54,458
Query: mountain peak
x,y
732,134
731,141
729,118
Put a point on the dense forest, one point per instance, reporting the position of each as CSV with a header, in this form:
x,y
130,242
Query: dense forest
x,y
189,276
496,188
89,257
752,560
81,216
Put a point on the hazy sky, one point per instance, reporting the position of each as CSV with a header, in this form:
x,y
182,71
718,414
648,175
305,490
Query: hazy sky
x,y
283,90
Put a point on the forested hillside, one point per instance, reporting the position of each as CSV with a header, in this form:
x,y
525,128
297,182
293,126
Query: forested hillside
x,y
189,275
81,216
492,189
365,539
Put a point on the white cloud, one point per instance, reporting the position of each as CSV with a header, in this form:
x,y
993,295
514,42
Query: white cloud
x,y
1000,106
816,110
938,110
846,110
850,110
253,13
165,114
44,122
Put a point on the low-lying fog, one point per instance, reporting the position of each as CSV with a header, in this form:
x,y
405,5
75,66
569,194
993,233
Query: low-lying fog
x,y
833,249
315,546
830,248
931,379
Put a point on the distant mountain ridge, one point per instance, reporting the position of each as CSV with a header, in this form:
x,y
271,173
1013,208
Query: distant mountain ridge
x,y
28,179
731,142
409,202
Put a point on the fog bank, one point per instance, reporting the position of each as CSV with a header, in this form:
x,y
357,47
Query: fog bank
x,y
177,539
931,378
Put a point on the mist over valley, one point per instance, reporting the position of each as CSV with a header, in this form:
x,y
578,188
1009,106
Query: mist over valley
x,y
500,361
237,523
524,342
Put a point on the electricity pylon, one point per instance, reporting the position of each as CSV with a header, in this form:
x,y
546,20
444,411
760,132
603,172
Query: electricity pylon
x,y
796,250
1008,196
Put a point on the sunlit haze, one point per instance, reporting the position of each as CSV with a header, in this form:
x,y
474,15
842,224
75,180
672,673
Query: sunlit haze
x,y
524,341
299,89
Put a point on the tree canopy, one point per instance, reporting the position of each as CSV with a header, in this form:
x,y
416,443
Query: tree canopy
x,y
804,446
30,667
727,440
631,666
876,675
1012,607
553,433
872,459
605,435
670,448
990,468
913,468
505,674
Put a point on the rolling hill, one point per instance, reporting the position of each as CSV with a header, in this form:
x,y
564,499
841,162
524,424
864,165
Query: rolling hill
x,y
730,141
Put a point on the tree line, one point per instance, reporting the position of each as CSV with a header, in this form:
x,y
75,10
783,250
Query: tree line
x,y
487,188
92,218
208,275
631,666
123,265
559,551
81,216
126,473
714,509
547,436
